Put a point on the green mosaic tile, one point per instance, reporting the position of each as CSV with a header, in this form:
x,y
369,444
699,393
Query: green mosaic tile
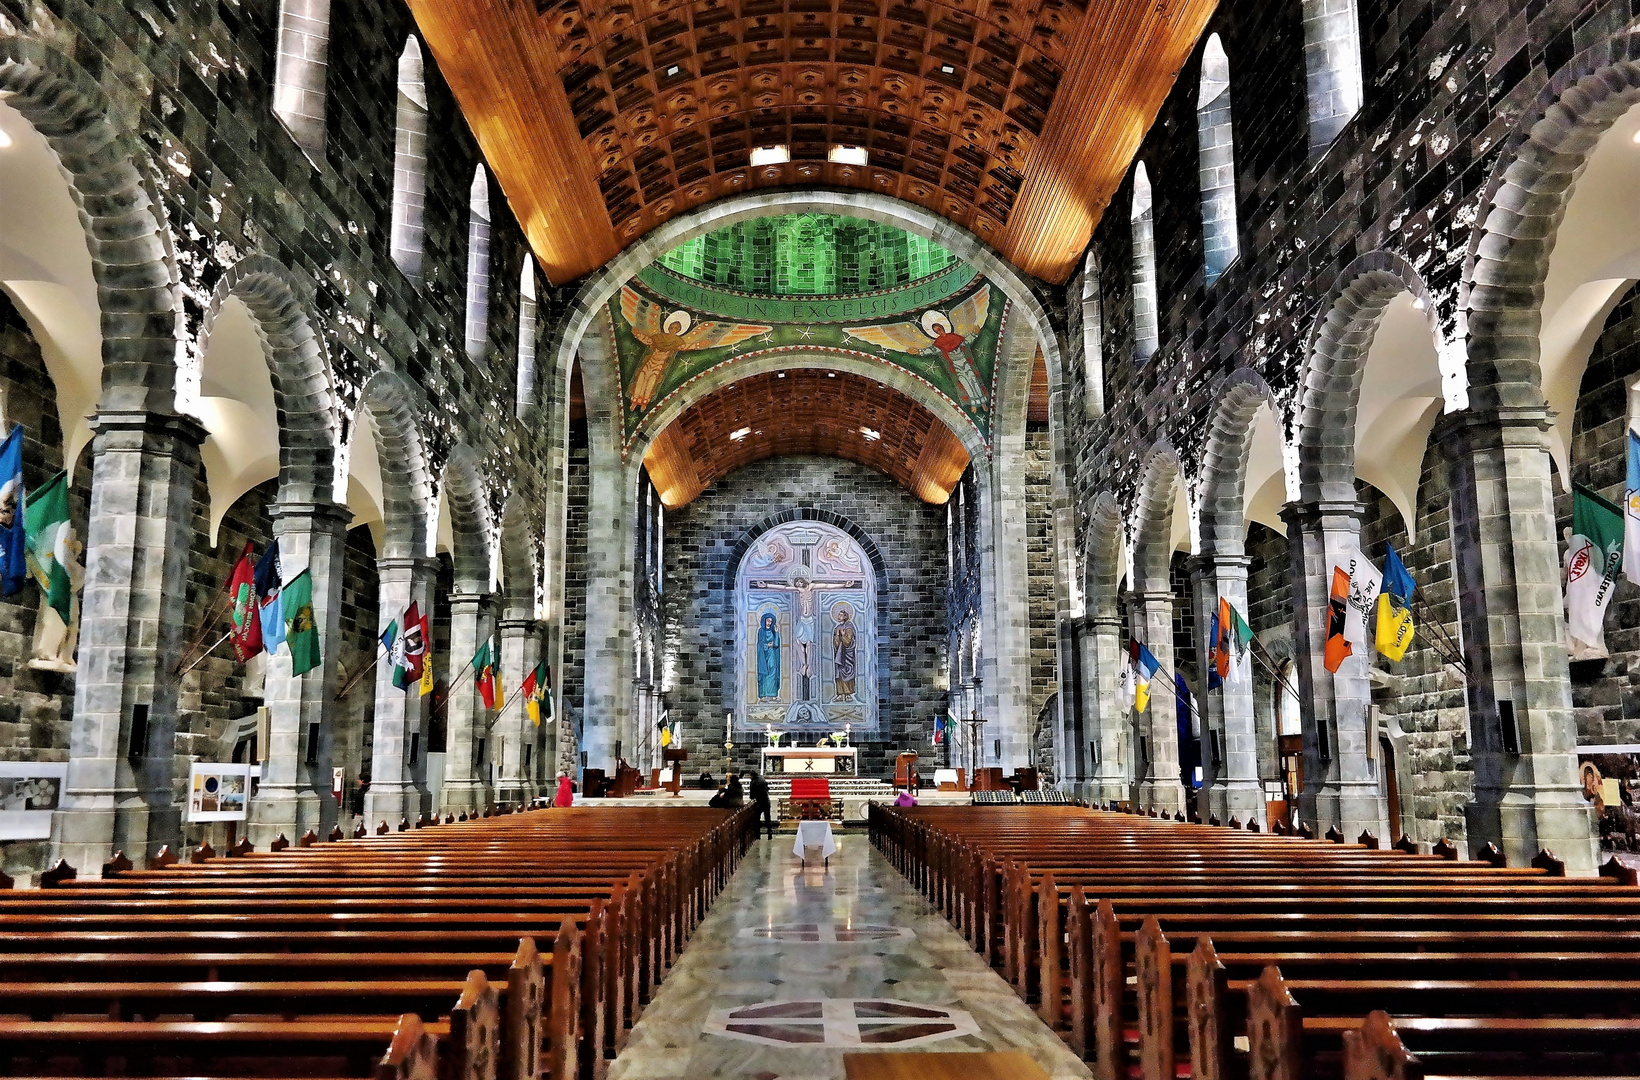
x,y
807,255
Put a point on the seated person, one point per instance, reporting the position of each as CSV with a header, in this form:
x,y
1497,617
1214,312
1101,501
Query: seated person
x,y
906,799
706,783
734,795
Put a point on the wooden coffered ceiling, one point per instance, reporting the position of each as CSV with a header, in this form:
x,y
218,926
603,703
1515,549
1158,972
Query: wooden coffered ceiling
x,y
805,411
1014,118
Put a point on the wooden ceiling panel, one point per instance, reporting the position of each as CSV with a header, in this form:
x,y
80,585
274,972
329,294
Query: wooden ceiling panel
x,y
805,411
1014,118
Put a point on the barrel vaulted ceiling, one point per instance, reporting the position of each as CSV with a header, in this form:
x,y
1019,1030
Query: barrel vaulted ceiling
x,y
1014,118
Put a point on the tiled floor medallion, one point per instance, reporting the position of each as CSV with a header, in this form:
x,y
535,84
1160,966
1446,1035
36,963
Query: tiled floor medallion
x,y
841,1022
827,933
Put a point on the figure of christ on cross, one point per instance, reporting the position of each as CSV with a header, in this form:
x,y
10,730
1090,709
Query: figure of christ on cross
x,y
806,587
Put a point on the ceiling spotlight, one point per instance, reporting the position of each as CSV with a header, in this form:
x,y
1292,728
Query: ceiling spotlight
x,y
1636,136
739,433
848,155
831,374
5,140
947,69
673,70
771,155
871,434
780,374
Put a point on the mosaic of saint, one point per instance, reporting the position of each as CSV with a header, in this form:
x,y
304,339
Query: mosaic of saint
x,y
805,632
943,329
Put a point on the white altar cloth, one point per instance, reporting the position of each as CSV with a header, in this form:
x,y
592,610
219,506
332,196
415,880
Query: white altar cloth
x,y
815,834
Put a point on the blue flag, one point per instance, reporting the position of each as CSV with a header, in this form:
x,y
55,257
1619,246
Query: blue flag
x,y
13,536
268,586
1213,680
1631,512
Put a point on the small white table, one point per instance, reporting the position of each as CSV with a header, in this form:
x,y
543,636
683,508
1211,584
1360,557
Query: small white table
x,y
815,834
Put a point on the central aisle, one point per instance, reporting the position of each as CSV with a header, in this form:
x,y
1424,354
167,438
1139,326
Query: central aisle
x,y
794,968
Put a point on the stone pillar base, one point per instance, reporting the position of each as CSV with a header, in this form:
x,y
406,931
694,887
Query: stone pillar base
x,y
282,811
389,803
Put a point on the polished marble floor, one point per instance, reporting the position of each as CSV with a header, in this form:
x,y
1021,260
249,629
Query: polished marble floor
x,y
794,968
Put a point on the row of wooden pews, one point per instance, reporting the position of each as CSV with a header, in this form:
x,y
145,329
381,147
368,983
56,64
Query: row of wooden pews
x,y
1159,949
510,946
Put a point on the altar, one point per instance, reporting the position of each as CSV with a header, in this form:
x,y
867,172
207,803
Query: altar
x,y
811,760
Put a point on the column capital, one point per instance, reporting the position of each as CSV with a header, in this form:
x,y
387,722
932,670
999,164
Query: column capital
x,y
519,626
1105,623
1314,509
1210,561
326,516
468,603
1139,599
407,562
174,426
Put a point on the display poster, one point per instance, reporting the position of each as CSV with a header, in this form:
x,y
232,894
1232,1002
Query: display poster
x,y
1610,777
29,792
219,791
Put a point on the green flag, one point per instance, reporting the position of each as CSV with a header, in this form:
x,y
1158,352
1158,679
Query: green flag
x,y
45,521
1593,560
301,630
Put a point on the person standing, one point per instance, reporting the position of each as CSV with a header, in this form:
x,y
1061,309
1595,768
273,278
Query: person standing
x,y
760,803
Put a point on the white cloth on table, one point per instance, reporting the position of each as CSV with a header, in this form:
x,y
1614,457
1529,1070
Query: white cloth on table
x,y
815,834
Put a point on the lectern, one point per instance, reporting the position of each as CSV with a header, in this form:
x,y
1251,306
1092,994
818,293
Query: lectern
x,y
904,766
674,758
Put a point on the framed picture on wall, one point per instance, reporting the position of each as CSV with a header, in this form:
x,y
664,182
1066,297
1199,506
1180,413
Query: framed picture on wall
x,y
219,791
29,792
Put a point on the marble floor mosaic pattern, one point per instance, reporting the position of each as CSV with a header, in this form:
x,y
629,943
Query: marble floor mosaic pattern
x,y
796,967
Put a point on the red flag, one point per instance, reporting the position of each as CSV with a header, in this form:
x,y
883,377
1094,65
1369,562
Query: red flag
x,y
1337,608
247,623
415,643
1221,646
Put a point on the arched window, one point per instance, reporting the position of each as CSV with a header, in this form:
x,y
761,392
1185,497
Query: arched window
x,y
1093,338
1147,334
526,338
1332,63
410,162
299,73
478,265
1218,161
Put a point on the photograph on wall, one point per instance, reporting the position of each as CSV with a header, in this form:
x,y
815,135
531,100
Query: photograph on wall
x,y
1610,778
29,792
218,791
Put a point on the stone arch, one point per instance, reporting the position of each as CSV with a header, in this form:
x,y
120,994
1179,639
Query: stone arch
x,y
519,573
465,495
1102,566
871,206
1156,498
1221,500
1217,168
709,382
1330,385
387,412
125,226
303,386
1500,305
1147,327
1091,310
806,513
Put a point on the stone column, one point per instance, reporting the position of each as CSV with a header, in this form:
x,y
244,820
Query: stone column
x,y
512,729
1108,725
401,716
608,667
1151,616
1523,730
1005,653
463,789
294,796
1339,786
1231,783
1070,742
132,625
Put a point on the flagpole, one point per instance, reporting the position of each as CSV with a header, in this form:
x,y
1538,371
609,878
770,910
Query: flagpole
x,y
354,681
201,658
219,604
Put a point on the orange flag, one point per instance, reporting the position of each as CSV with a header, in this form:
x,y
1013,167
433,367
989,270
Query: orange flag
x,y
1337,608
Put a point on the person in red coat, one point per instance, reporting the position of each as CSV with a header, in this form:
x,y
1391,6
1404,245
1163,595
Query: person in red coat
x,y
566,792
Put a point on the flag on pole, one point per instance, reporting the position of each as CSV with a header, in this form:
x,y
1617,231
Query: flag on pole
x,y
939,730
247,618
1631,511
426,683
1239,637
1214,679
535,688
1221,642
45,520
1145,666
1395,628
1592,562
409,652
484,674
1338,602
269,583
13,534
301,629
1361,613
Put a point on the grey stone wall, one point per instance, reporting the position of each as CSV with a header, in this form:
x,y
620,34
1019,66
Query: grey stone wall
x,y
1039,553
575,590
1270,615
1606,693
911,624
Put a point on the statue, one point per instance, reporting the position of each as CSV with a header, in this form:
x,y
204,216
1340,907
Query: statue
x,y
842,643
768,658
54,640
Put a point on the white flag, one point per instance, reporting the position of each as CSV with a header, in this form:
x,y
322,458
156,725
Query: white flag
x,y
1594,556
1361,614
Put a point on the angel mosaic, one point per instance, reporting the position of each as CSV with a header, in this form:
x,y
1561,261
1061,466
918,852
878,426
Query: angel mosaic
x,y
664,334
947,335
